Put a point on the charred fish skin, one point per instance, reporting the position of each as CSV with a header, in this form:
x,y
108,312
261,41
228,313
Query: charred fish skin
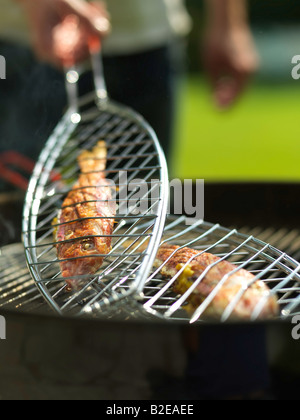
x,y
172,260
86,219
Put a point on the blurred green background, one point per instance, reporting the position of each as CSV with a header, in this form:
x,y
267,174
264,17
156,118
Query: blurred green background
x,y
259,138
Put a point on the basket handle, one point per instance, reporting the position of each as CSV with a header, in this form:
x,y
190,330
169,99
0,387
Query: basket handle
x,y
97,65
66,38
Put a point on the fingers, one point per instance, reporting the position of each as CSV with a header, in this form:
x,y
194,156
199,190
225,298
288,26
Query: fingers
x,y
80,31
236,77
102,24
93,16
103,20
227,89
68,45
229,80
230,60
226,81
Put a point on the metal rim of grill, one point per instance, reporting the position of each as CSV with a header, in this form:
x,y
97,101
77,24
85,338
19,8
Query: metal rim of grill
x,y
132,149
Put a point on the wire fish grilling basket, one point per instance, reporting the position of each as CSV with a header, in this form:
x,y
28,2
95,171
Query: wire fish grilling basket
x,y
277,270
137,168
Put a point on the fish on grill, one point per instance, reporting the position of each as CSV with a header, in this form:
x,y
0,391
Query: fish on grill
x,y
85,222
189,264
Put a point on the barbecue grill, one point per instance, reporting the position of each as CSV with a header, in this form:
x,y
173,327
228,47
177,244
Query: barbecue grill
x,y
26,309
127,294
156,299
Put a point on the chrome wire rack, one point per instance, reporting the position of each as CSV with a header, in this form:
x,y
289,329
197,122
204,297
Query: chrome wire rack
x,y
275,268
18,291
156,301
135,162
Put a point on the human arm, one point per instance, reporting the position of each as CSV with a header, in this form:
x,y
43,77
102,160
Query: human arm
x,y
45,16
229,53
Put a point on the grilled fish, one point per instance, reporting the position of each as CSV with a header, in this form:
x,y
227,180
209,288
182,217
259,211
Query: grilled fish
x,y
86,219
192,264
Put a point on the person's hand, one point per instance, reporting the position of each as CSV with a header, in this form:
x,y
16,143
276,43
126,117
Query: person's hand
x,y
63,30
230,59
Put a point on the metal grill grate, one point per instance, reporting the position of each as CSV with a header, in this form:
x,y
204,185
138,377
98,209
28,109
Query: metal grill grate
x,y
17,288
276,268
